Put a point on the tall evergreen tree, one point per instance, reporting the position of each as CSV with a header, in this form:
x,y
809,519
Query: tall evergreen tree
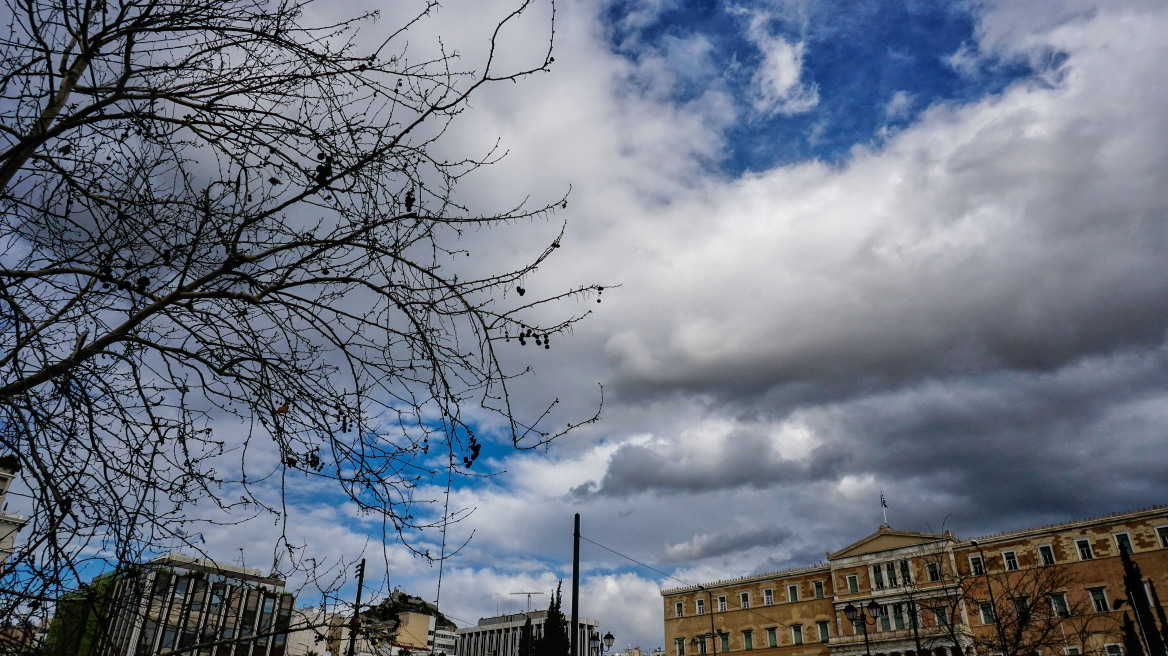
x,y
526,646
1132,646
554,641
1133,583
1159,612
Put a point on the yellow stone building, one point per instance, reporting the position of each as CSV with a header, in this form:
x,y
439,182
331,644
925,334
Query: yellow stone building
x,y
1048,591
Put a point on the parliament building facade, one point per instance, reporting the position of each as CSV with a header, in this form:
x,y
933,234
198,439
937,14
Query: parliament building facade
x,y
925,594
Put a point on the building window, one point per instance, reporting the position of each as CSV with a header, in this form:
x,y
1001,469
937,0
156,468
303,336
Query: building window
x,y
1099,599
701,645
725,642
898,616
768,597
797,634
680,645
1011,560
721,603
885,621
987,612
818,585
1059,601
877,577
772,637
890,569
1046,554
744,597
747,640
1113,650
1123,543
1022,609
976,566
792,593
1084,546
853,583
934,571
678,609
941,615
824,631
701,606
1162,531
905,573
1071,651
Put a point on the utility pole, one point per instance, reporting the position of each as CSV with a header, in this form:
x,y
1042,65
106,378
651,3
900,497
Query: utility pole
x,y
575,630
356,621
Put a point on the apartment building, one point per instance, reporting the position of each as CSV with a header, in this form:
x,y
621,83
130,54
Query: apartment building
x,y
930,594
10,522
499,636
175,602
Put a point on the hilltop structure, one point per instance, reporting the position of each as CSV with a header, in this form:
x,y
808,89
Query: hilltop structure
x,y
1048,591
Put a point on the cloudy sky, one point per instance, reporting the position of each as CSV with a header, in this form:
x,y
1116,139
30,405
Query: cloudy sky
x,y
900,245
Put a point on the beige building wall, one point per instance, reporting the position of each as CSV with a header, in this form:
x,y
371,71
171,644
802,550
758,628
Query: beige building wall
x,y
799,612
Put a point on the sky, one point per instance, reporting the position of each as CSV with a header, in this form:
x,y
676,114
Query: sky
x,y
900,246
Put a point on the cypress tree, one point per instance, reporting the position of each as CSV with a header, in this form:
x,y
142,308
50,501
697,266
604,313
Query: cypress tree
x,y
554,641
1132,646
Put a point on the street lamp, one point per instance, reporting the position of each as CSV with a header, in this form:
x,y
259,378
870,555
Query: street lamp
x,y
858,616
595,642
985,569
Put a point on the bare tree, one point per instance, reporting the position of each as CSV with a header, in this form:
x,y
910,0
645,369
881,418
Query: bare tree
x,y
1012,612
233,251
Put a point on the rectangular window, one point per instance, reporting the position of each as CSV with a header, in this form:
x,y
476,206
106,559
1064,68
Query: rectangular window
x,y
905,573
877,577
890,569
747,640
1113,650
1046,554
941,615
721,603
885,621
678,609
1059,601
1071,651
1022,610
934,571
987,613
772,637
1084,547
1162,531
976,566
1011,560
1123,543
824,631
792,593
818,585
701,606
797,634
1099,599
768,597
701,645
897,616
725,642
679,644
853,583
744,599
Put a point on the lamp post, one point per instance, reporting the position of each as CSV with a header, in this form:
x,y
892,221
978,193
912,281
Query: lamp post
x,y
985,569
597,643
858,616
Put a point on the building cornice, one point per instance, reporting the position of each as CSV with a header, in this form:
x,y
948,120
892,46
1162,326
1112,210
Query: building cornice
x,y
753,578
1071,524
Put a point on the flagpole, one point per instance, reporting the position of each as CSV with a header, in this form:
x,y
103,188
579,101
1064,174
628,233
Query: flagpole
x,y
884,507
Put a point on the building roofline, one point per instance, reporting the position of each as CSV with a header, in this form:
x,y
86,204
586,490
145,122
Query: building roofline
x,y
806,569
1098,519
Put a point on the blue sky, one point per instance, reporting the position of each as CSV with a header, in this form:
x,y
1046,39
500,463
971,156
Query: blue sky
x,y
910,247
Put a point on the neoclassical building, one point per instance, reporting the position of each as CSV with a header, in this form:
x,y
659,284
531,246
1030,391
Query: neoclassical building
x,y
925,594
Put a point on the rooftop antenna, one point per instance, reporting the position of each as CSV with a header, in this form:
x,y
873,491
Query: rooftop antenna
x,y
240,549
528,597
